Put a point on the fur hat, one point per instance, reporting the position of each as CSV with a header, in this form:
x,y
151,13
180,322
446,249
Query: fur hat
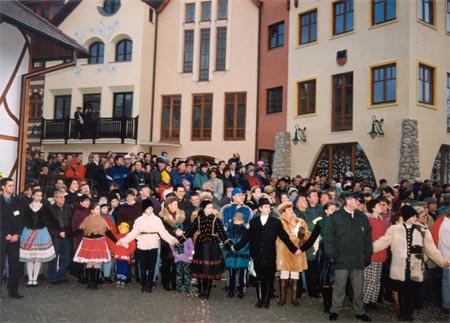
x,y
204,203
407,212
125,226
283,206
146,204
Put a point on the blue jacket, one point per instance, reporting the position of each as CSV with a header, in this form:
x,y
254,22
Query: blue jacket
x,y
229,210
117,174
238,259
177,178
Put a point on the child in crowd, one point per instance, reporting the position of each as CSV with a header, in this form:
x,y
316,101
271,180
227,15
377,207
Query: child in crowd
x,y
165,184
182,254
122,255
237,262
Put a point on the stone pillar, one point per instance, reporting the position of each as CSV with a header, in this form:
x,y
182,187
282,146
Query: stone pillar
x,y
408,167
282,157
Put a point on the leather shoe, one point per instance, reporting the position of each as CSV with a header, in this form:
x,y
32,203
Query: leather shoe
x,y
15,295
364,318
259,304
333,317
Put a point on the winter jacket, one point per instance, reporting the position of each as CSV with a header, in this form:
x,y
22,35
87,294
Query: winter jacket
x,y
177,178
348,239
378,230
119,175
123,253
228,211
285,259
78,216
241,258
199,179
421,242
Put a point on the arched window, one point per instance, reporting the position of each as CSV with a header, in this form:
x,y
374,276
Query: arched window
x,y
111,6
97,52
124,50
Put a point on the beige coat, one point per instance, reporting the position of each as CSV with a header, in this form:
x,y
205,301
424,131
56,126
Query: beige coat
x,y
286,260
396,238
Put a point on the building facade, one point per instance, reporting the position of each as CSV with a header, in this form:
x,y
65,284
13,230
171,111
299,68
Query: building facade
x,y
358,66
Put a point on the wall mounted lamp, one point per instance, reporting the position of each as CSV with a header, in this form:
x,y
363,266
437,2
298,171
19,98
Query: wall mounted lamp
x,y
377,128
300,135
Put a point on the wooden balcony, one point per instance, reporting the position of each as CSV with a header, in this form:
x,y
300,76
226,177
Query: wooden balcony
x,y
101,128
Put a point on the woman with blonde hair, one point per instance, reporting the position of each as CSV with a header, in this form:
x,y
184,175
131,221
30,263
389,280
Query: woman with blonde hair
x,y
288,264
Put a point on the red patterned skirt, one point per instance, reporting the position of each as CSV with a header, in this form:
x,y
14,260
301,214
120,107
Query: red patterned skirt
x,y
92,250
208,261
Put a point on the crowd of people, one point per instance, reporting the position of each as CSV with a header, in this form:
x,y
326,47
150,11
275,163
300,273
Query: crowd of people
x,y
144,218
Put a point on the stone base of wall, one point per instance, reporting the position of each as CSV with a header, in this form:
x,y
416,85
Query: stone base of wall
x,y
282,157
409,151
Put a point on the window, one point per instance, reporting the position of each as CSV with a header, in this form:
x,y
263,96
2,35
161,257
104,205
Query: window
x,y
275,100
337,159
62,106
342,17
123,105
307,97
221,48
111,6
45,12
204,55
425,10
448,102
441,167
97,52
222,9
190,12
426,84
448,16
383,11
201,116
35,106
206,11
308,27
170,120
188,51
235,112
342,102
124,50
94,100
276,35
384,84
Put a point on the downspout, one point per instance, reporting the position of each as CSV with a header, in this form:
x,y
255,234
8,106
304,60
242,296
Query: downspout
x,y
153,81
23,120
258,80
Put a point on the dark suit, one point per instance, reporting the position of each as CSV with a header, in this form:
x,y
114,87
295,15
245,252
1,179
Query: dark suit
x,y
262,240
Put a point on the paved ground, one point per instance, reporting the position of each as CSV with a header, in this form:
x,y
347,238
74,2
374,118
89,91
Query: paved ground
x,y
73,303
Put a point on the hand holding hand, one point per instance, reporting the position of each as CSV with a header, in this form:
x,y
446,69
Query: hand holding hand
x,y
119,243
62,234
447,265
298,252
14,238
8,237
175,242
179,232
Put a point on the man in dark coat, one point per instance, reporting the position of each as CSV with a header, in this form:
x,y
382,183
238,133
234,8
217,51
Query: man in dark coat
x,y
11,225
262,235
348,245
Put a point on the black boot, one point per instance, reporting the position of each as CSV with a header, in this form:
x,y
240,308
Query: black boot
x,y
259,294
207,287
327,296
200,288
87,278
267,291
81,276
402,303
95,277
143,282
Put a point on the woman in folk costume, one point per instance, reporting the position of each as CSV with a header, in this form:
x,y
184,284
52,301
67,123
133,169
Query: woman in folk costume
x,y
207,263
288,264
409,241
36,244
93,249
147,230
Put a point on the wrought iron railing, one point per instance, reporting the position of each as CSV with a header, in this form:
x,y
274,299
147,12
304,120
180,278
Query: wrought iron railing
x,y
121,128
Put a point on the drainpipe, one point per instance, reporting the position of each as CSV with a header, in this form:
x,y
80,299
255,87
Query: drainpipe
x,y
23,121
258,79
155,45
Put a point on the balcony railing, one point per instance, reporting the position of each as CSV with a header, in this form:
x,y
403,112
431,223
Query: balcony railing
x,y
119,128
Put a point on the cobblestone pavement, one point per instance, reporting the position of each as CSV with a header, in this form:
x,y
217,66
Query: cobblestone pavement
x,y
73,303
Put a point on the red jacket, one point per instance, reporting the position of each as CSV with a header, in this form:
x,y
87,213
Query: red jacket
x,y
79,172
435,229
252,181
123,253
378,230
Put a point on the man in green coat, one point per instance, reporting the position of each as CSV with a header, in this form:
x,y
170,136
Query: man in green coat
x,y
348,245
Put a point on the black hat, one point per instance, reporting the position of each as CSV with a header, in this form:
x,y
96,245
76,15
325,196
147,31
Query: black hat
x,y
204,203
263,201
146,204
350,195
407,211
160,160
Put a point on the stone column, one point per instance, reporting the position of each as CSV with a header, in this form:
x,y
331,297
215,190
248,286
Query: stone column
x,y
408,167
282,157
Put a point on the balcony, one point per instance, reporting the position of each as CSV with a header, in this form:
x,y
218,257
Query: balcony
x,y
92,130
